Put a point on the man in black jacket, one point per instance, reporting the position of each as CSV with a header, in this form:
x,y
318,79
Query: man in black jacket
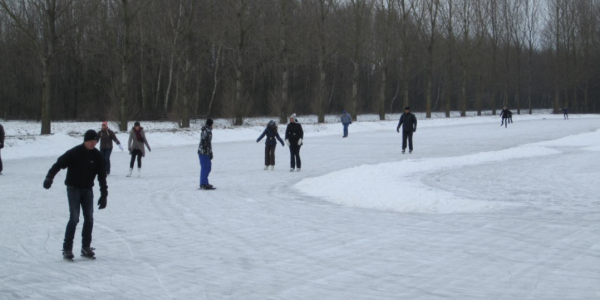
x,y
408,121
83,163
1,145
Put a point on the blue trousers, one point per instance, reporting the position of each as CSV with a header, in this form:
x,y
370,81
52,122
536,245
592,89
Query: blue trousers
x,y
83,198
345,128
106,154
205,167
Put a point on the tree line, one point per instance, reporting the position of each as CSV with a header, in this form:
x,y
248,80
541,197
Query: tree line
x,y
180,59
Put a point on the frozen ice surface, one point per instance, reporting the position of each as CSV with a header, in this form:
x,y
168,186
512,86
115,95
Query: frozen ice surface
x,y
475,212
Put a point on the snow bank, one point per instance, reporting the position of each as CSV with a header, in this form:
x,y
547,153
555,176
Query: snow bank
x,y
398,187
23,139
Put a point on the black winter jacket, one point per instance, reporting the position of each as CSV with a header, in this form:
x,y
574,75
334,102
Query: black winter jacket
x,y
505,114
272,135
293,133
410,122
1,137
82,167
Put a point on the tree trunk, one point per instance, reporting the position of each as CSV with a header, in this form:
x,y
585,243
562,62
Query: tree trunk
x,y
46,96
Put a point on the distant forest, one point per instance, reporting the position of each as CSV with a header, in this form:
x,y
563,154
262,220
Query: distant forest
x,y
179,59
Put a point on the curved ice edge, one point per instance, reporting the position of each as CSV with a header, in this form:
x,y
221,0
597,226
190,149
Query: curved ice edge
x,y
397,186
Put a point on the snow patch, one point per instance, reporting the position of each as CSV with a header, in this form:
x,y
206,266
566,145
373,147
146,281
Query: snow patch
x,y
398,187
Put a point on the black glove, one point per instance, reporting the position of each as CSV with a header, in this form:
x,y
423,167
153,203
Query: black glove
x,y
1,145
47,182
211,156
102,200
398,130
415,130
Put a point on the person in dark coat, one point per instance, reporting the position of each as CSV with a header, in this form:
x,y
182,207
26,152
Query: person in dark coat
x,y
346,119
270,144
565,113
137,140
205,155
1,146
293,138
505,114
408,121
83,164
107,137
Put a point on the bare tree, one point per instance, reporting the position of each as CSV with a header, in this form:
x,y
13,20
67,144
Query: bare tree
x,y
431,8
49,26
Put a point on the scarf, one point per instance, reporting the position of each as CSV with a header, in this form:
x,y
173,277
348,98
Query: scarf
x,y
138,135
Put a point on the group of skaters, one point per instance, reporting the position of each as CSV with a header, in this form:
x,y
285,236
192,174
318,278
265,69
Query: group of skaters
x,y
84,162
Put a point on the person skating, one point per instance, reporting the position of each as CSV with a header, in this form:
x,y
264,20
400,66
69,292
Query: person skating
x,y
270,144
408,121
205,155
83,164
137,140
293,138
346,119
565,113
504,114
1,146
107,137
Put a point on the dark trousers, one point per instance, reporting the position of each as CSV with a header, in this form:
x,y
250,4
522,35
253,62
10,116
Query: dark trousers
x,y
407,134
346,128
205,168
270,155
83,198
295,161
566,116
134,153
504,122
106,154
1,161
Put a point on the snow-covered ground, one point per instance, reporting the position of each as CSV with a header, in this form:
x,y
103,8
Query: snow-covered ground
x,y
478,211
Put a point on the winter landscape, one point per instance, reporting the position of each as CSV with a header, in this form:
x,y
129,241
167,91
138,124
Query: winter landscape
x,y
477,211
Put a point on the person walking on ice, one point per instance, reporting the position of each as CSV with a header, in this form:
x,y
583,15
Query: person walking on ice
x,y
565,113
137,140
83,164
293,138
205,155
270,144
107,137
346,119
408,121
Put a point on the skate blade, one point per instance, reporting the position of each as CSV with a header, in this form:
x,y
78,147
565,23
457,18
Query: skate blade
x,y
88,257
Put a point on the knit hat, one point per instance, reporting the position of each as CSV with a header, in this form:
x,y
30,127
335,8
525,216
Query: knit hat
x,y
104,123
407,108
209,122
136,124
90,135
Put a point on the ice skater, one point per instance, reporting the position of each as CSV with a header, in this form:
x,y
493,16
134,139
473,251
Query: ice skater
x,y
346,119
408,121
293,138
270,144
506,115
205,155
137,140
83,164
107,137
1,146
565,113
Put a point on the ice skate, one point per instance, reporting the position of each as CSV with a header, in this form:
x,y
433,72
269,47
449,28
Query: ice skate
x,y
139,172
207,187
272,168
298,170
291,169
88,252
130,171
68,255
266,168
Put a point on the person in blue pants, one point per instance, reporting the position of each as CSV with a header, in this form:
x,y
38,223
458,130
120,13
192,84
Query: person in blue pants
x,y
205,155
